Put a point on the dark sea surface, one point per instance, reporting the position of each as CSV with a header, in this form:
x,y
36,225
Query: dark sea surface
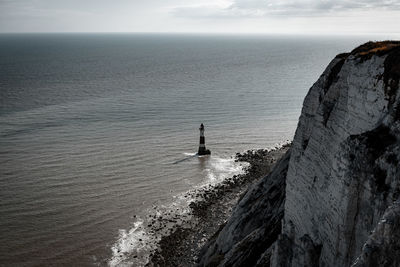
x,y
91,124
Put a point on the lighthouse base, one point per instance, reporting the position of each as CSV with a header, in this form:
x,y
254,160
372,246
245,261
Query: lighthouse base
x,y
204,152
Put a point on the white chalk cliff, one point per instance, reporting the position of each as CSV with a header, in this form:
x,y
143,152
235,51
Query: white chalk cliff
x,y
332,199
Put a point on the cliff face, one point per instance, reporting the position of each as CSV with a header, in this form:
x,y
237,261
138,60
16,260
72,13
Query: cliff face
x,y
339,181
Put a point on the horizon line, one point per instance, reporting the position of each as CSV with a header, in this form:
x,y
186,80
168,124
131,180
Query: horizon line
x,y
345,34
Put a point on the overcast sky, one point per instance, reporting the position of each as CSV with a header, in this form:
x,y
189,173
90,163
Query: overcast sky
x,y
214,16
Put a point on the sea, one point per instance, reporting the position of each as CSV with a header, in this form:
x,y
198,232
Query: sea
x,y
99,130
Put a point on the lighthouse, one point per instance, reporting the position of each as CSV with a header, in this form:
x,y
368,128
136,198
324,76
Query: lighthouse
x,y
202,145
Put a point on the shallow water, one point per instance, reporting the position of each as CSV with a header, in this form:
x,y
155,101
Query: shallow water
x,y
90,126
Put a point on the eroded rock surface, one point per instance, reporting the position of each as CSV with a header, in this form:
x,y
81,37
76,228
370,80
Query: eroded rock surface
x,y
383,246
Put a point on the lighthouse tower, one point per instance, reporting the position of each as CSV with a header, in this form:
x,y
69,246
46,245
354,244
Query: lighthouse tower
x,y
202,145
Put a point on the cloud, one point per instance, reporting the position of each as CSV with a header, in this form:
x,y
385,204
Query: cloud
x,y
293,8
23,9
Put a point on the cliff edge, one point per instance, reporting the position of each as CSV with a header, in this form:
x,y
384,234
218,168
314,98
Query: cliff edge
x,y
332,199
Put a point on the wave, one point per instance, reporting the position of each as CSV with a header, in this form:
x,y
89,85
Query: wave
x,y
222,168
128,242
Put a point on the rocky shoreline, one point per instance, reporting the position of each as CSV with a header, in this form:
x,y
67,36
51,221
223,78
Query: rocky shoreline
x,y
212,207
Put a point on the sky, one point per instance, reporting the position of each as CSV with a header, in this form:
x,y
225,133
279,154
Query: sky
x,y
203,16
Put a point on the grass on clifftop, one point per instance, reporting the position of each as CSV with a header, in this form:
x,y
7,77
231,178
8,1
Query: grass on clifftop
x,y
371,48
